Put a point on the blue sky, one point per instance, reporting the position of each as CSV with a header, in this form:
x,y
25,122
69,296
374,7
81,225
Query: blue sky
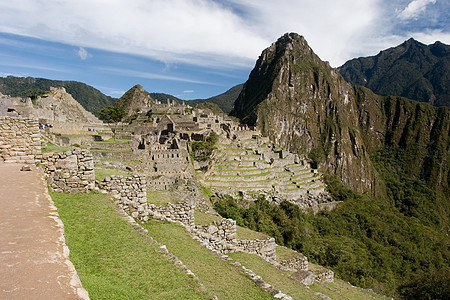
x,y
196,48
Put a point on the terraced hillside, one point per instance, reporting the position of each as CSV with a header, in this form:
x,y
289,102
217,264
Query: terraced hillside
x,y
254,166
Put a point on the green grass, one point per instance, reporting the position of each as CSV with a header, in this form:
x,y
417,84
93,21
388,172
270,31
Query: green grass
x,y
341,290
52,147
136,161
113,141
281,280
219,277
243,233
284,253
202,218
158,198
110,159
111,150
278,278
113,260
101,174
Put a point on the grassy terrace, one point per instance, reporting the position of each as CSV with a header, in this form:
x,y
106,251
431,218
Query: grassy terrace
x,y
158,198
244,176
243,233
112,151
101,174
280,280
113,141
52,147
219,277
100,245
202,218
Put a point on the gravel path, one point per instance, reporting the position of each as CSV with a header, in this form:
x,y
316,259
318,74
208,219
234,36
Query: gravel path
x,y
34,260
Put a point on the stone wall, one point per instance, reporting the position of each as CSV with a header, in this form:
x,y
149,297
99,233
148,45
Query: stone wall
x,y
299,262
264,248
19,140
71,171
128,193
181,211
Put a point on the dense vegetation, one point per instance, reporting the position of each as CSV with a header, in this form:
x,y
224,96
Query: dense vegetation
x,y
202,150
411,70
373,243
90,98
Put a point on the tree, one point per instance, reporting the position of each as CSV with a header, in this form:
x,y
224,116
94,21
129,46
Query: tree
x,y
34,93
112,115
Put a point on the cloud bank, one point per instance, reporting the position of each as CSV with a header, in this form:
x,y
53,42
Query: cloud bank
x,y
213,33
414,9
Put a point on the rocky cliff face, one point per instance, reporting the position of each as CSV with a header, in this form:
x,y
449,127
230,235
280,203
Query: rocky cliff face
x,y
306,106
136,99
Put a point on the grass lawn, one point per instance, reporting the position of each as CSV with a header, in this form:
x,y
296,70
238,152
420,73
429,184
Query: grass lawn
x,y
219,277
243,233
339,289
113,260
284,253
158,198
202,218
52,147
278,278
113,141
111,150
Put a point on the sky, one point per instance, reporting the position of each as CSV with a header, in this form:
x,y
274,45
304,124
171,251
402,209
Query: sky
x,y
196,48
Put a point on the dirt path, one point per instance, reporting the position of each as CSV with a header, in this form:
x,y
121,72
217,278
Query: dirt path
x,y
34,260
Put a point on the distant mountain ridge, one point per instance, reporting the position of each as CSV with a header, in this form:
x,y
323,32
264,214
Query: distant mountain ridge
x,y
225,100
412,70
89,97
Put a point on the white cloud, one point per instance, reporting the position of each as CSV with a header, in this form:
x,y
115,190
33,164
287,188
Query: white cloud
x,y
148,75
188,91
414,9
211,33
82,53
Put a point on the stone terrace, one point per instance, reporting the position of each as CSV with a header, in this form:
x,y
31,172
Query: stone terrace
x,y
249,166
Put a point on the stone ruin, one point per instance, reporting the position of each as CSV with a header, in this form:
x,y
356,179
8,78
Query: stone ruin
x,y
19,140
69,172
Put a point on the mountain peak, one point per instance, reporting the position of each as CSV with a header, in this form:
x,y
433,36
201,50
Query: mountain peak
x,y
412,70
135,99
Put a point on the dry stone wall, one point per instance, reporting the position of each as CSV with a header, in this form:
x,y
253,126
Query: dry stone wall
x,y
129,193
19,140
181,211
70,171
264,248
295,263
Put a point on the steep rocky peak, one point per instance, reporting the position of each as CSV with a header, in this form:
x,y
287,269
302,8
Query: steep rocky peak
x,y
136,99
